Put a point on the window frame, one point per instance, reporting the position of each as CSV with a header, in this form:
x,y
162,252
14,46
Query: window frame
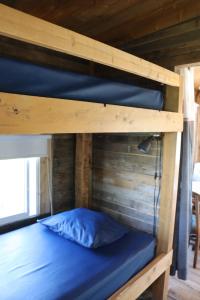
x,y
26,215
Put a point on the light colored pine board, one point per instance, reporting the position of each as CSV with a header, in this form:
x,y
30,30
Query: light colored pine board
x,y
169,187
21,114
139,283
24,27
168,197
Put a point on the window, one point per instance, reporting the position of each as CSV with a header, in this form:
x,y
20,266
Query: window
x,y
19,189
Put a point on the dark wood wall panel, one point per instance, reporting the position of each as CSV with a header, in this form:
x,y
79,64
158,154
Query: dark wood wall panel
x,y
123,179
63,171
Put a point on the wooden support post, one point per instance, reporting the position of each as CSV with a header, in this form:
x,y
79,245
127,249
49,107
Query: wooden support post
x,y
171,157
169,188
83,173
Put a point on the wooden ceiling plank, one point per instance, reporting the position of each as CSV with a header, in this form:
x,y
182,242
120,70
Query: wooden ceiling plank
x,y
44,34
170,42
136,10
173,31
175,54
170,14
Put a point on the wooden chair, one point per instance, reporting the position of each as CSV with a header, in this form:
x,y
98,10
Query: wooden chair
x,y
196,212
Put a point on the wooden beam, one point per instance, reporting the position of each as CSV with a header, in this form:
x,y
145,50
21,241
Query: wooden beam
x,y
139,283
172,143
174,97
21,114
83,174
169,189
21,26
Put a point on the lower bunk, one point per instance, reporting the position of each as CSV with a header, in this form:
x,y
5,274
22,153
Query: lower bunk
x,y
78,254
35,263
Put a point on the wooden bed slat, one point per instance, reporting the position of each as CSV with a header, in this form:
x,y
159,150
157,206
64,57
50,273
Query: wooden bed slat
x,y
21,114
139,283
24,27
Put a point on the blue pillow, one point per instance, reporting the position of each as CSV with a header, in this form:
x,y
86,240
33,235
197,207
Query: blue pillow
x,y
86,227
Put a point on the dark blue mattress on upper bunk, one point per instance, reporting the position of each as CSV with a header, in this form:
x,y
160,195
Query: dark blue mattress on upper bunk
x,y
37,264
26,78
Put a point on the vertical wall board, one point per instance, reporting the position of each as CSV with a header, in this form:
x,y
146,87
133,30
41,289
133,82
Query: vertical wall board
x,y
83,170
45,206
63,171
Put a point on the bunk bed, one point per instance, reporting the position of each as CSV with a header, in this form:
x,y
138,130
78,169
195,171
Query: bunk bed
x,y
22,112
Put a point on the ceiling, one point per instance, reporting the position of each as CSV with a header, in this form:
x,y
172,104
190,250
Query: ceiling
x,y
166,31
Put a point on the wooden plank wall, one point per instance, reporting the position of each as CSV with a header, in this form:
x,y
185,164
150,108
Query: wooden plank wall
x,y
63,171
123,179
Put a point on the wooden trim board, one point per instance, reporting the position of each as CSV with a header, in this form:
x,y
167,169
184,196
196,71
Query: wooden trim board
x,y
24,27
21,114
168,199
83,170
139,283
169,187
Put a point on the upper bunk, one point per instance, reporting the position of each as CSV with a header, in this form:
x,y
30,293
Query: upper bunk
x,y
22,77
25,86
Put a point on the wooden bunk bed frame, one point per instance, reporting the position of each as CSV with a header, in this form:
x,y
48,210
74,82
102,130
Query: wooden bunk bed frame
x,y
21,114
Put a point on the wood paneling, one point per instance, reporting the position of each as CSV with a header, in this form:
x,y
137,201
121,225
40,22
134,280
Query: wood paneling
x,y
123,178
63,172
83,170
169,47
45,184
197,137
112,21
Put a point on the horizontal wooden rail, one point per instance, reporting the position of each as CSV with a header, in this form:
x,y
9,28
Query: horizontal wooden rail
x,y
21,114
139,283
24,27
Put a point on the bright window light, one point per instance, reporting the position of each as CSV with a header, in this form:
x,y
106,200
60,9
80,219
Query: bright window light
x,y
19,185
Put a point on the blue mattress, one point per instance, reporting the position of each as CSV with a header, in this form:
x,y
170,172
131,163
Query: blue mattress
x,y
35,263
26,78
